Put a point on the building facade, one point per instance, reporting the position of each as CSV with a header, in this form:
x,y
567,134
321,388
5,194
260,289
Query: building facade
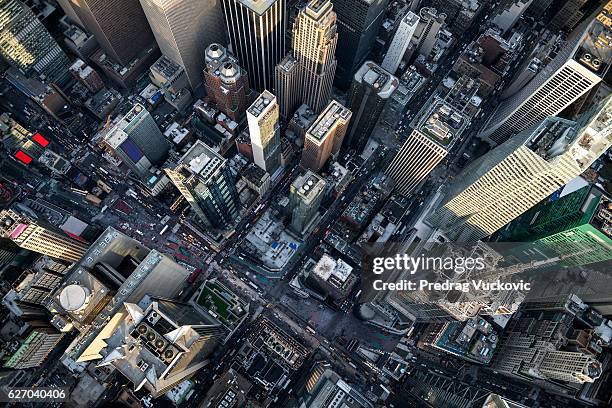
x,y
400,42
183,29
226,82
40,236
305,196
257,36
504,183
324,138
27,45
286,85
580,65
371,89
204,179
314,47
120,27
264,129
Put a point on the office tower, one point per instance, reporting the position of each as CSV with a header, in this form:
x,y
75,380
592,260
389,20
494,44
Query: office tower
x,y
305,196
358,24
579,66
120,27
35,348
204,179
418,156
264,129
40,236
69,11
257,36
371,89
157,343
509,14
430,24
8,252
538,8
226,82
35,286
325,136
504,183
400,42
577,227
436,128
137,141
314,45
568,15
27,45
286,85
183,29
325,385
536,347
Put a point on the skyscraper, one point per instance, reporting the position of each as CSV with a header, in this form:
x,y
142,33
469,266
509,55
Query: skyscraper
x,y
204,179
418,156
40,236
400,42
263,116
120,26
371,88
137,141
437,126
226,82
358,24
429,26
157,343
305,197
257,36
286,85
35,348
183,29
510,179
314,46
26,44
325,136
578,224
579,66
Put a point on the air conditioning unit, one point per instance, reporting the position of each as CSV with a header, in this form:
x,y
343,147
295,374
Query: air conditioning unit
x,y
153,317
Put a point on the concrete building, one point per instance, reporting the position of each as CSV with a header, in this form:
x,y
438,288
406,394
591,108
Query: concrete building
x,y
371,89
226,82
40,236
35,348
578,224
358,24
87,76
334,276
80,42
286,85
501,185
257,36
439,124
314,47
426,34
305,196
325,385
137,141
183,29
264,129
157,343
26,44
120,27
324,138
510,14
203,178
257,179
400,42
580,65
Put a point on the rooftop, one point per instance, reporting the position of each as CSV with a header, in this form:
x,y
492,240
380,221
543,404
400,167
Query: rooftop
x,y
382,81
202,160
262,104
334,115
308,186
328,267
166,68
